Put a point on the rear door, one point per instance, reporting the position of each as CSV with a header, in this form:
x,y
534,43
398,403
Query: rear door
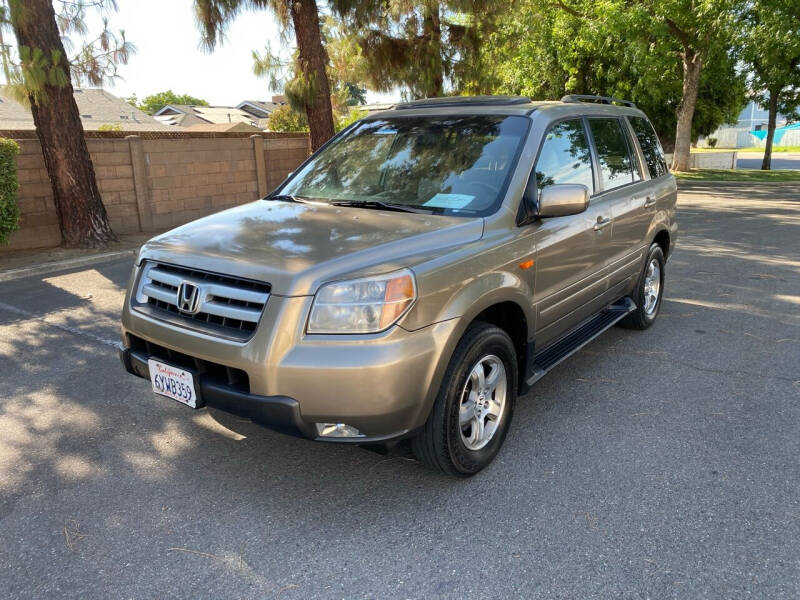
x,y
624,195
571,252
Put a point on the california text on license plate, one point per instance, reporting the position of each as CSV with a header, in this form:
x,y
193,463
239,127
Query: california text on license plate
x,y
172,382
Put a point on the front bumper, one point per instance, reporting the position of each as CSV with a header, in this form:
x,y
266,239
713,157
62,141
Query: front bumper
x,y
383,384
276,412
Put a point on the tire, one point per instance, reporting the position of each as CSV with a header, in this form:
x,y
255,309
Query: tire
x,y
446,442
647,308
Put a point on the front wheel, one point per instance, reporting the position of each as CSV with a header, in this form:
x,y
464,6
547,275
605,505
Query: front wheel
x,y
472,412
649,291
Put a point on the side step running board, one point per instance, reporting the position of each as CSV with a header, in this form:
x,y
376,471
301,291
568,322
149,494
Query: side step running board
x,y
576,339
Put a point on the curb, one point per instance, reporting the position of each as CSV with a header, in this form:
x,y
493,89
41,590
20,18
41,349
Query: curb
x,y
716,183
62,265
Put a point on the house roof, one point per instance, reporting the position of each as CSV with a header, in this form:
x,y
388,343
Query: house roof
x,y
260,109
180,119
224,127
97,107
175,109
211,114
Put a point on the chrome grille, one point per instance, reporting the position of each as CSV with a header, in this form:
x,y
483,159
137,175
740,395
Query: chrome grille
x,y
226,306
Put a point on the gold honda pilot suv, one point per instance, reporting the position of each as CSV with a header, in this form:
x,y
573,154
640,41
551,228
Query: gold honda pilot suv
x,y
414,276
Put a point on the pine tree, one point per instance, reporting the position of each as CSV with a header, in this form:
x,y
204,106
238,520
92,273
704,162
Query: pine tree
x,y
40,75
309,89
427,48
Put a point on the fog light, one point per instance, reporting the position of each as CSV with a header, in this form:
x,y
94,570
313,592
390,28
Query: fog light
x,y
337,430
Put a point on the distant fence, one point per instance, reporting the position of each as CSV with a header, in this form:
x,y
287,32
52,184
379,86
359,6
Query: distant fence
x,y
156,180
709,160
731,137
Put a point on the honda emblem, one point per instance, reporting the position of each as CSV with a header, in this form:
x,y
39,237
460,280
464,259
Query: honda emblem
x,y
188,298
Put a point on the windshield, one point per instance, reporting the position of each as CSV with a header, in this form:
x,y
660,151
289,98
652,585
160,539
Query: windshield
x,y
444,165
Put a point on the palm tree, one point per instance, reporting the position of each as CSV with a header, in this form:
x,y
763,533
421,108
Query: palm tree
x,y
310,89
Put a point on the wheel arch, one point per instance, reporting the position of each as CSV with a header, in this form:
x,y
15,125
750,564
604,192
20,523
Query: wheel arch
x,y
509,316
662,238
503,308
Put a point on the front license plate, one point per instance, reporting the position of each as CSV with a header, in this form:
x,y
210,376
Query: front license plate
x,y
173,382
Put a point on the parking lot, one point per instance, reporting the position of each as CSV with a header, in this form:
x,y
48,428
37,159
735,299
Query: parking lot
x,y
653,464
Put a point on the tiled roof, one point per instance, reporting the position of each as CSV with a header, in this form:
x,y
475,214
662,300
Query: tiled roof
x,y
96,106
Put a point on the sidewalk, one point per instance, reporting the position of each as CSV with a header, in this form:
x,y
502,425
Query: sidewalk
x,y
15,264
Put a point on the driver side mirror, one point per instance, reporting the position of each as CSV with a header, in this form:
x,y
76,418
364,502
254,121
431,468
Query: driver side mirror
x,y
562,199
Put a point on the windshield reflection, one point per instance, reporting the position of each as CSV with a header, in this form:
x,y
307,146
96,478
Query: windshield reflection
x,y
457,166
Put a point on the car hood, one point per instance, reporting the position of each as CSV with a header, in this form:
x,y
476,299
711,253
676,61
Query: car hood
x,y
296,247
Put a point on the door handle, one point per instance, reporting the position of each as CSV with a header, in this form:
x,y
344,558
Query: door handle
x,y
602,223
649,201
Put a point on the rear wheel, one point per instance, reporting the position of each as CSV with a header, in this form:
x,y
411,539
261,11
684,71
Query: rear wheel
x,y
472,412
649,291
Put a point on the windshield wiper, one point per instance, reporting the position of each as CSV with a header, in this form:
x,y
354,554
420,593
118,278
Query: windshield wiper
x,y
287,198
378,205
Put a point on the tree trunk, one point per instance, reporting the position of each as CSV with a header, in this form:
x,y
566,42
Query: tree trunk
x,y
692,65
80,209
432,33
766,164
313,61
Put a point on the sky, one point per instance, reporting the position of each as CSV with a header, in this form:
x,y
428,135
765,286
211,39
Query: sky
x,y
169,55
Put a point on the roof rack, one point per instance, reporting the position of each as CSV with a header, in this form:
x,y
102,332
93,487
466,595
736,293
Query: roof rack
x,y
464,101
598,99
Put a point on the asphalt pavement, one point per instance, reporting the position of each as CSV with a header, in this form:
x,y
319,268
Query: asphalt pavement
x,y
780,160
657,464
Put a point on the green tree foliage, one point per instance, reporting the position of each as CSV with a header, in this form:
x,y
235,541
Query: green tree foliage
x,y
426,48
771,50
346,71
94,60
676,59
9,211
351,116
309,89
39,71
286,119
155,102
356,94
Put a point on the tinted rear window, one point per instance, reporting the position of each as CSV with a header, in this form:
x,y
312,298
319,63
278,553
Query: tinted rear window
x,y
651,148
613,155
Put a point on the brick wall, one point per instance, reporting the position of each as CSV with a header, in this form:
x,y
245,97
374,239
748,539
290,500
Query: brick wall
x,y
152,184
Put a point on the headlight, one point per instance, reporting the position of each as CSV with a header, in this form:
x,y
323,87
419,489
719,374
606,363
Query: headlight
x,y
364,305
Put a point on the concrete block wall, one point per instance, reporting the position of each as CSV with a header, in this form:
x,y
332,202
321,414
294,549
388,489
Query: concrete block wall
x,y
188,181
283,156
709,160
151,184
38,221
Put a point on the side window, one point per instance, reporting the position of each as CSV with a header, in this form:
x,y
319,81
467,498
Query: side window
x,y
613,154
651,148
565,156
